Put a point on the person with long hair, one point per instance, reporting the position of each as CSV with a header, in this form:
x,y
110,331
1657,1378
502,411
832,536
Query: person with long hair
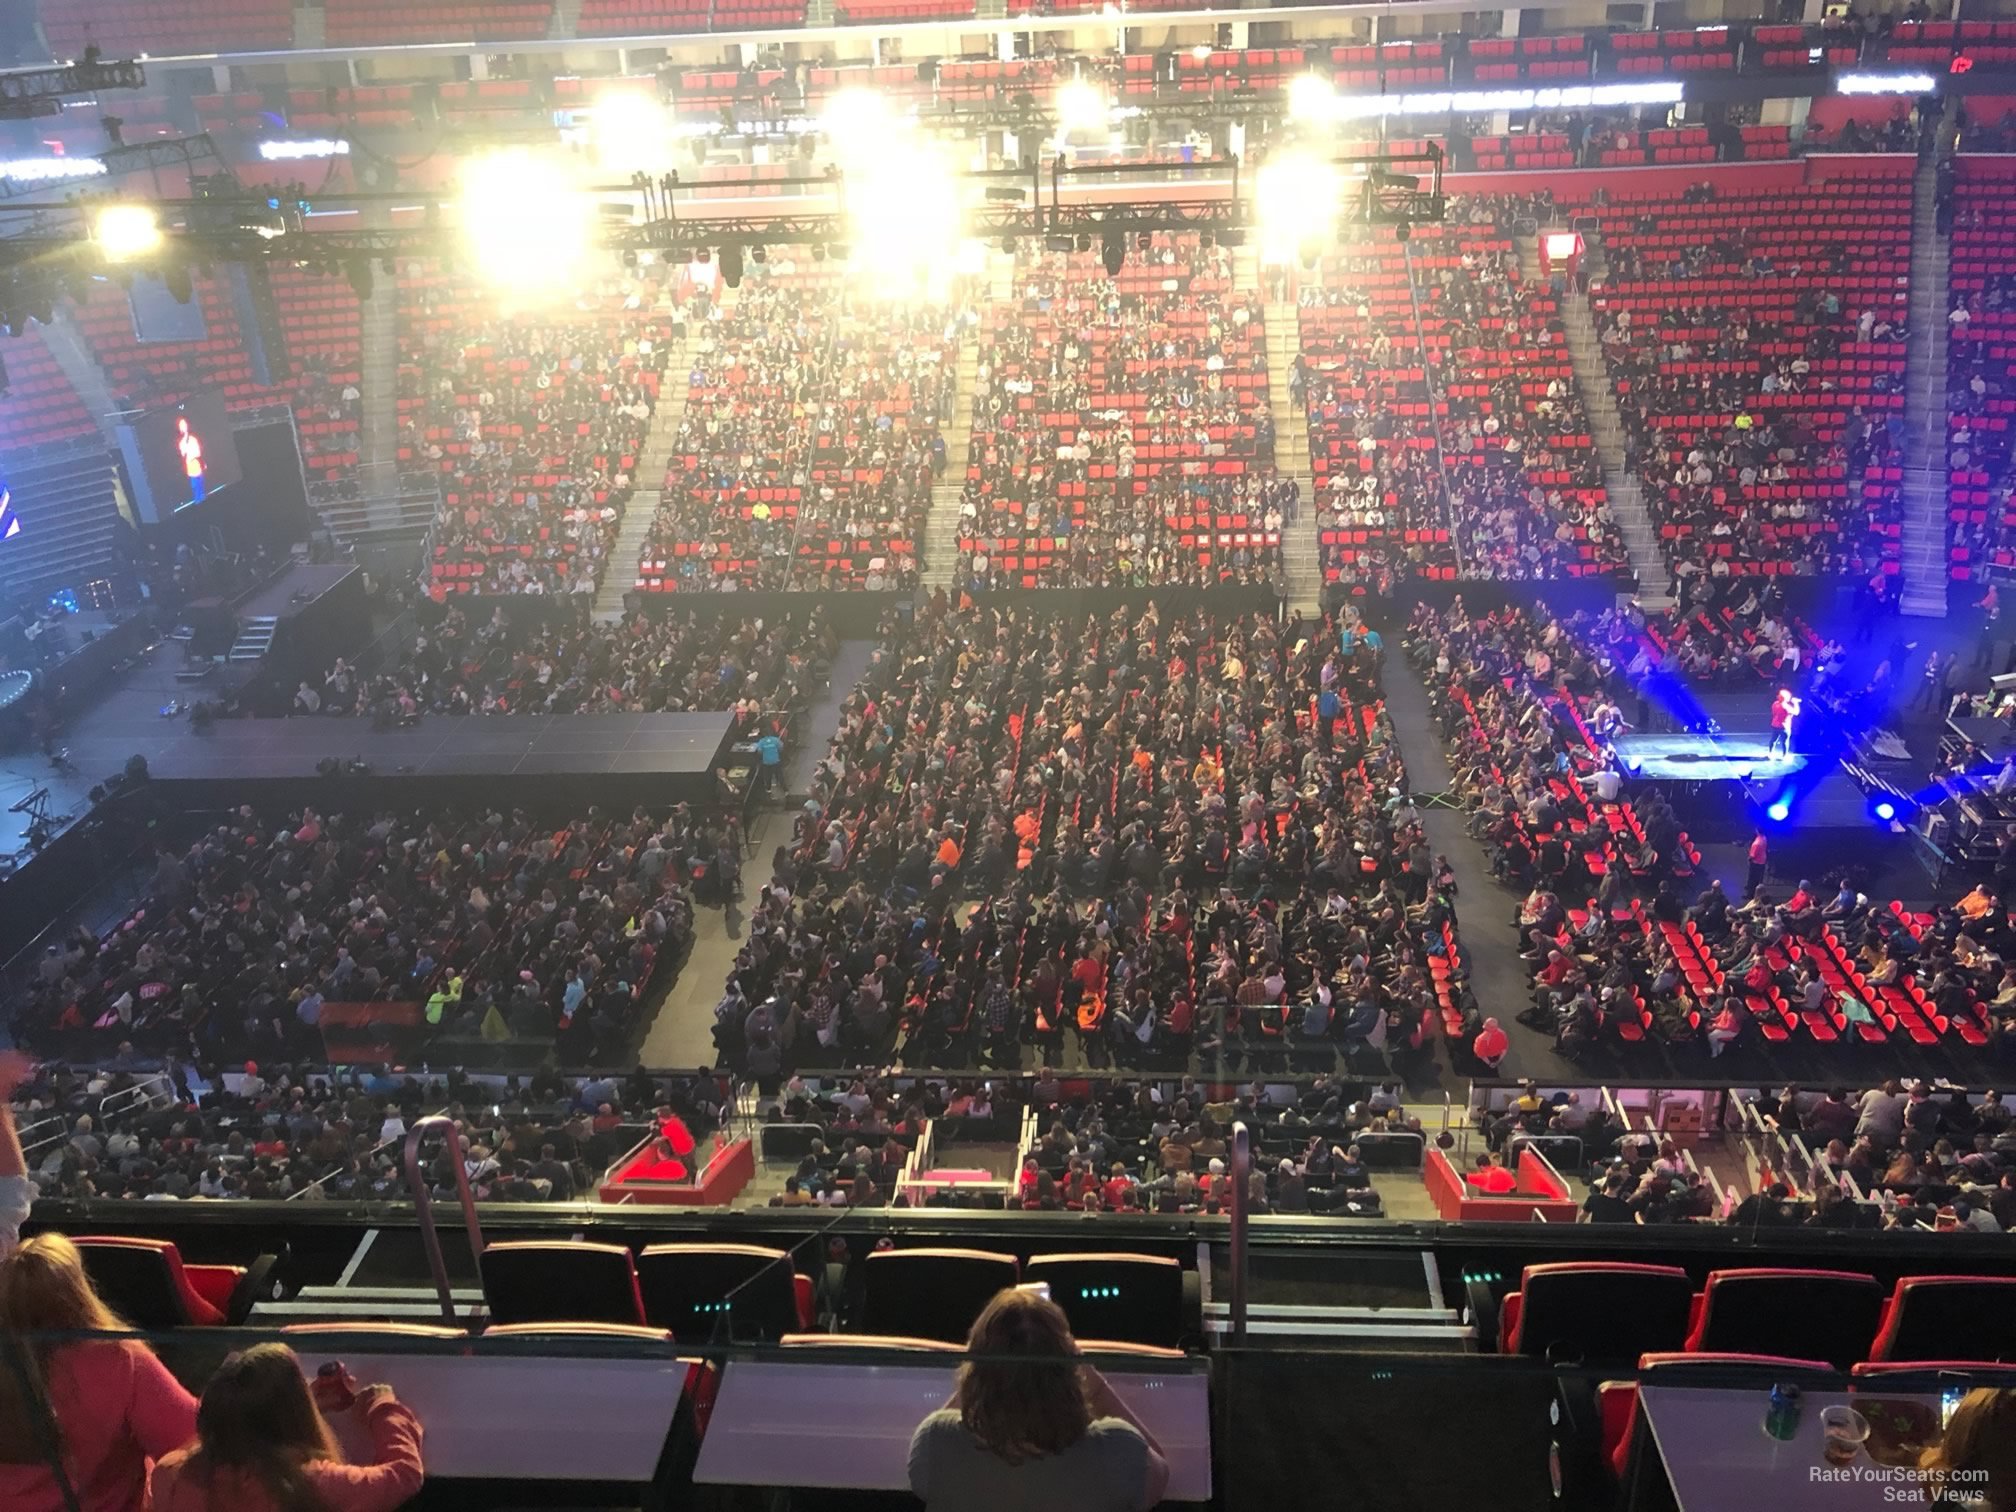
x,y
1031,1426
16,1191
262,1444
1973,1466
102,1408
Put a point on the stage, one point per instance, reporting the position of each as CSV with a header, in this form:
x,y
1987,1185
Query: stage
x,y
1685,757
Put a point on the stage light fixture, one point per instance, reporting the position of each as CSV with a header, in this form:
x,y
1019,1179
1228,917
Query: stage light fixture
x,y
527,226
857,121
1312,100
1297,196
1113,253
906,216
124,232
1081,106
731,266
1885,810
1779,811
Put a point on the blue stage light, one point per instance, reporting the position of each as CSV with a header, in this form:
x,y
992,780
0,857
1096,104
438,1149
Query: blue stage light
x,y
1886,810
1780,810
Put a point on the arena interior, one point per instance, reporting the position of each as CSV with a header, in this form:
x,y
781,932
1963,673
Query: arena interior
x,y
685,684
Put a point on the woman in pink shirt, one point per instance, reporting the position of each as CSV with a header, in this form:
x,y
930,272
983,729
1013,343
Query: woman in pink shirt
x,y
115,1406
262,1445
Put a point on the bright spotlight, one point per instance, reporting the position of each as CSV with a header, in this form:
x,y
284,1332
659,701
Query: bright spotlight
x,y
1297,196
905,213
1081,106
1886,810
857,121
125,232
527,226
632,133
1780,810
1312,100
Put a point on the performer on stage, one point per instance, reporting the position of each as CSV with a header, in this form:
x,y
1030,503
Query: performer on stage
x,y
1784,709
1606,720
190,445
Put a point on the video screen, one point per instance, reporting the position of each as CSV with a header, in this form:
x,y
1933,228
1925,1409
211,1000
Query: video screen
x,y
188,452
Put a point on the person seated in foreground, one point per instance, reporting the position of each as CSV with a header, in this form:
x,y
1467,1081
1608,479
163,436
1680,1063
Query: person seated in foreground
x,y
1030,1425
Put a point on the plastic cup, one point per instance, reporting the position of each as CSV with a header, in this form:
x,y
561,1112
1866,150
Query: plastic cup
x,y
1842,1432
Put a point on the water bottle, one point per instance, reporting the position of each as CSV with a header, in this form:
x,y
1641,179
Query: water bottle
x,y
1781,1417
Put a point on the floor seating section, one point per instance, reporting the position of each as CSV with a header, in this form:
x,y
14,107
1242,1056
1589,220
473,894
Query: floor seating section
x,y
147,1283
540,1281
1518,457
1107,446
1980,379
768,489
1804,1314
1762,317
1598,1312
1382,511
122,29
533,481
930,1293
692,1289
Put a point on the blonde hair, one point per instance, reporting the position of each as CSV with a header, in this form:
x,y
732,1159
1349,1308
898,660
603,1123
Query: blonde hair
x,y
45,1292
1981,1438
1021,1394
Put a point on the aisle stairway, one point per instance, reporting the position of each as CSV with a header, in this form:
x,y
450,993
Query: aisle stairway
x,y
1924,491
378,365
66,342
1291,438
941,528
619,573
1627,497
566,20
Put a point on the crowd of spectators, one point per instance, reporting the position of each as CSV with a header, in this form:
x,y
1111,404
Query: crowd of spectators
x,y
493,925
1524,480
534,423
643,664
312,1133
810,439
1122,434
1177,833
1757,345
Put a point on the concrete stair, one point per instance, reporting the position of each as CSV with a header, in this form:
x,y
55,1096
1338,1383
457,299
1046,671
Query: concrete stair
x,y
566,20
308,28
1299,554
1627,498
67,345
941,525
619,573
1924,537
378,367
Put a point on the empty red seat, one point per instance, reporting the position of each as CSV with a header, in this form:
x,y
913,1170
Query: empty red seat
x,y
1596,1312
930,1293
147,1283
1805,1314
560,1281
1948,1318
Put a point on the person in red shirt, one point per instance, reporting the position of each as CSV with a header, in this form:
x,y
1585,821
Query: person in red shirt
x,y
1491,1044
1492,1177
262,1444
116,1406
1760,858
1784,709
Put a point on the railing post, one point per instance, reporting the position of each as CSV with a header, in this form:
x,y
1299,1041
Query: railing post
x,y
423,1203
1242,1165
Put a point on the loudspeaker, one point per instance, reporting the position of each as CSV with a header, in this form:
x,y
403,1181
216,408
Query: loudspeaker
x,y
259,324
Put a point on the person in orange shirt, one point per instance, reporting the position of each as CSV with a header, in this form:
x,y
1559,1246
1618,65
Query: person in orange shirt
x,y
1491,1044
262,1445
1492,1177
948,851
1978,904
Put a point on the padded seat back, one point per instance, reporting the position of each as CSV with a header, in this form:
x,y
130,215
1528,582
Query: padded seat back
x,y
930,1293
143,1281
1129,1299
1599,1312
1795,1314
687,1288
1949,1318
544,1281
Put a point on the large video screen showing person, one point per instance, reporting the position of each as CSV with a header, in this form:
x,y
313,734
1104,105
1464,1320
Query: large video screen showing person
x,y
186,452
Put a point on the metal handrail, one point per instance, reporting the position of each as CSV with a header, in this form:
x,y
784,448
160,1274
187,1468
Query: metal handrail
x,y
145,1090
336,1169
1242,1165
423,1205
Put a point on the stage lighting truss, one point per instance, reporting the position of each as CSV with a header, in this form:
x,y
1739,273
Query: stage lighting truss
x,y
666,214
